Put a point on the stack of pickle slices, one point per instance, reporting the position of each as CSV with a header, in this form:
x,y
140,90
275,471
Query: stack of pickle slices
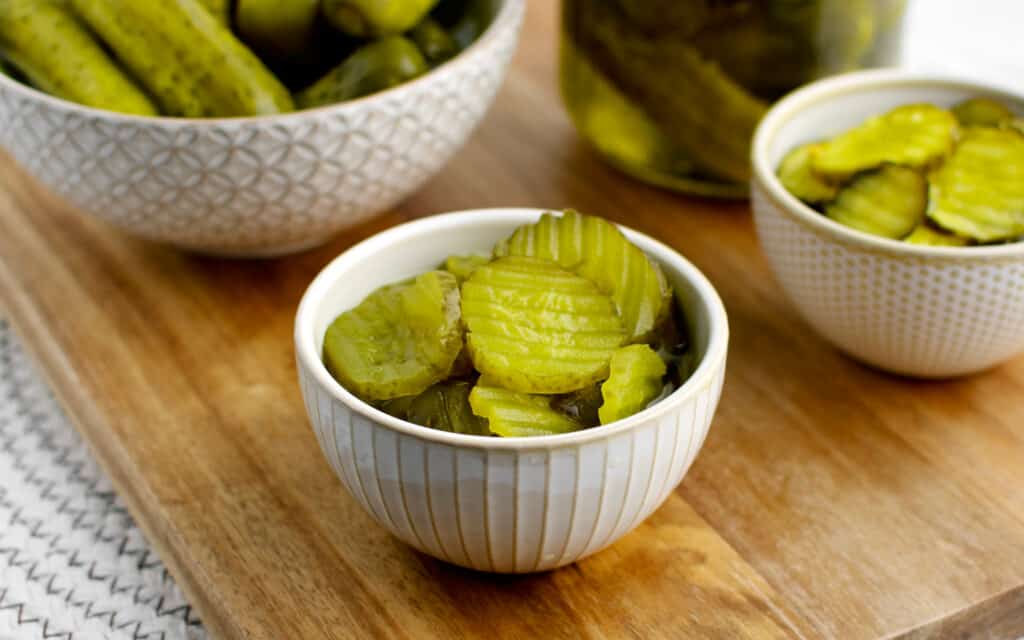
x,y
921,174
566,325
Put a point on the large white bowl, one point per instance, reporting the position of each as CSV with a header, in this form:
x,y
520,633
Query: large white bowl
x,y
263,185
502,504
914,310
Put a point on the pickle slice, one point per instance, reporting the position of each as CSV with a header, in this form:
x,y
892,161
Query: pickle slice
x,y
888,202
399,340
635,381
979,192
914,135
463,266
444,406
796,175
511,414
928,236
537,328
595,249
982,112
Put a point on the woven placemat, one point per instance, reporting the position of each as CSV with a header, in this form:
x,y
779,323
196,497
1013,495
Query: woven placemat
x,y
73,564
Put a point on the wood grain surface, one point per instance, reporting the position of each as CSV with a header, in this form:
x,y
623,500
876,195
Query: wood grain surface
x,y
829,500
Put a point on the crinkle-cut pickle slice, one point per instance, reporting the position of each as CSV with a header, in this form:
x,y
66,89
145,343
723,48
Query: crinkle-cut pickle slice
x,y
914,135
595,249
928,236
399,340
889,202
796,175
982,112
979,192
444,406
513,414
537,328
463,266
635,380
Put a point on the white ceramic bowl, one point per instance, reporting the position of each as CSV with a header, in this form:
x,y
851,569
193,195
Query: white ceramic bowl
x,y
918,311
502,504
263,185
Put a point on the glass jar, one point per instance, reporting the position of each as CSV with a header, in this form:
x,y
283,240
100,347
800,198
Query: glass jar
x,y
670,90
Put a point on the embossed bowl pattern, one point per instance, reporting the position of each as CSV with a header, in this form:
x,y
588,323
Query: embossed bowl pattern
x,y
258,186
930,312
509,505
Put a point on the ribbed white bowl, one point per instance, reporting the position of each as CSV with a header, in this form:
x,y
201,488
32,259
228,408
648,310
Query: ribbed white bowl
x,y
919,311
493,504
264,185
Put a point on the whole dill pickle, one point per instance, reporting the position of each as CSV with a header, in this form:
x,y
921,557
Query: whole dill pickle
x,y
277,29
436,44
45,42
191,63
373,67
371,18
712,120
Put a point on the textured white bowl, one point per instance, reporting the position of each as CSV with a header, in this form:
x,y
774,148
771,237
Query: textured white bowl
x,y
930,312
502,504
264,185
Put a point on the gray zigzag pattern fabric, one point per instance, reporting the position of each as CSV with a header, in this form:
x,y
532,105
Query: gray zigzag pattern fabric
x,y
73,564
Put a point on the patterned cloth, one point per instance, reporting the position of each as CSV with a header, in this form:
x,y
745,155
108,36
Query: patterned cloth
x,y
73,564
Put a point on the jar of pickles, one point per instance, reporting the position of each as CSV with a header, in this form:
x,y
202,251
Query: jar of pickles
x,y
670,90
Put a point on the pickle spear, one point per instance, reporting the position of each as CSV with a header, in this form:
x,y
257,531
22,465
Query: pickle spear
x,y
534,327
374,18
191,63
376,66
399,341
597,250
889,202
635,380
979,192
913,135
712,120
59,56
514,414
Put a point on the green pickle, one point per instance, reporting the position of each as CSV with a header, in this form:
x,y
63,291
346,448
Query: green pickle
x,y
58,55
376,66
636,379
534,327
191,63
979,192
399,341
596,249
982,112
517,414
463,266
670,91
277,30
913,135
375,18
928,236
889,202
796,175
559,331
436,44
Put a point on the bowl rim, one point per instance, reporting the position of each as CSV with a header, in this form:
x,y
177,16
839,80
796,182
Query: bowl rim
x,y
703,376
508,15
790,107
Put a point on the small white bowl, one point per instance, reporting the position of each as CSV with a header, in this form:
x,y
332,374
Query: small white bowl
x,y
930,312
510,505
265,185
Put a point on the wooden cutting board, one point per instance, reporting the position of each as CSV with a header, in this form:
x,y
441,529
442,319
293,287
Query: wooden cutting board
x,y
829,500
